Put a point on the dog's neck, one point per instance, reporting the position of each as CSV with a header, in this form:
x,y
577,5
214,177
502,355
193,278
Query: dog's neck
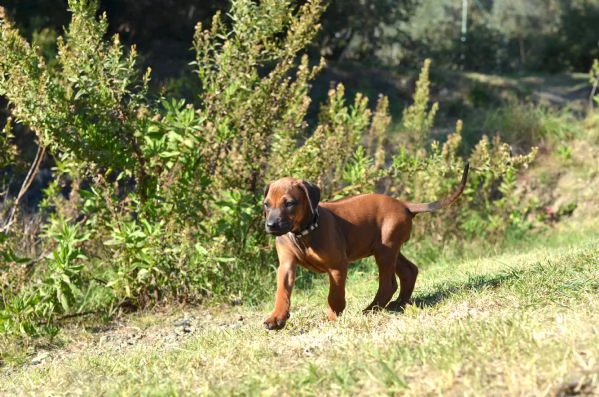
x,y
309,226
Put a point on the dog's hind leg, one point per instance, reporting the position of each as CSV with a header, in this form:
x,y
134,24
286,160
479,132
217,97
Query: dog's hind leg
x,y
336,297
385,260
407,273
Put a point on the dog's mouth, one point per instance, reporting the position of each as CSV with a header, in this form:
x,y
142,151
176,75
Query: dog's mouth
x,y
278,230
276,234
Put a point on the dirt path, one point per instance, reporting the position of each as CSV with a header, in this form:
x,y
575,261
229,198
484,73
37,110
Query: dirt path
x,y
160,330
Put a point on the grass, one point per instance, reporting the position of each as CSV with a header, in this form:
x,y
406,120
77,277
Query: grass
x,y
510,324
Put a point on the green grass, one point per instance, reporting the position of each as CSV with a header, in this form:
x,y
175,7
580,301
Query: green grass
x,y
511,324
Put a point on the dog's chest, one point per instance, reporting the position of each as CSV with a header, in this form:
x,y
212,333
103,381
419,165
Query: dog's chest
x,y
313,262
314,257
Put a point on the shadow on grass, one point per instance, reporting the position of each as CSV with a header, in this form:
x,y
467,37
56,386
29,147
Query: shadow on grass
x,y
475,283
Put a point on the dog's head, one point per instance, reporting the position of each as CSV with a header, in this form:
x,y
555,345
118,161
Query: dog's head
x,y
289,205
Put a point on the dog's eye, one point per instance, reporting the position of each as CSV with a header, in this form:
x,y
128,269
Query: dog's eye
x,y
266,206
290,203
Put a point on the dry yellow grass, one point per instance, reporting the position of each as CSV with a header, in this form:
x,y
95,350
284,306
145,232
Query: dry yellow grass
x,y
513,324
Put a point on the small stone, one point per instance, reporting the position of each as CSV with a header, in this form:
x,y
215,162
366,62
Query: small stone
x,y
309,351
183,322
133,339
41,356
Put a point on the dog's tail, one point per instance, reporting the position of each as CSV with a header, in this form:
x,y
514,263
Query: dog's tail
x,y
437,205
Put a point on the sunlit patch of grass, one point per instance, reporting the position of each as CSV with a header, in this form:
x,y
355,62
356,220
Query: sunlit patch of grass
x,y
510,324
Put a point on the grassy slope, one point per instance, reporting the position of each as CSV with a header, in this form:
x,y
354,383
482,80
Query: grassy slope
x,y
512,324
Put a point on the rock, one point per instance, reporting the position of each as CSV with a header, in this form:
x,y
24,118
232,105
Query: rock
x,y
40,357
183,322
236,302
105,338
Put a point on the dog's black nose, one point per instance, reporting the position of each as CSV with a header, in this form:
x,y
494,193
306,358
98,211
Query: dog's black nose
x,y
276,226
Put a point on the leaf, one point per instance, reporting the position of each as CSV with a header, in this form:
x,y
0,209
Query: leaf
x,y
142,274
169,154
62,299
225,259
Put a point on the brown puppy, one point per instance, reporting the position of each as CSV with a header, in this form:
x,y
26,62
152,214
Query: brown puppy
x,y
326,237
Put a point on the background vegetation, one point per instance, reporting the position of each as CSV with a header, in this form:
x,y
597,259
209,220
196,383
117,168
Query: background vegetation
x,y
132,168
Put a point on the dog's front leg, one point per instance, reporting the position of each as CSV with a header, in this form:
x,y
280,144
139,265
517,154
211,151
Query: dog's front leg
x,y
285,281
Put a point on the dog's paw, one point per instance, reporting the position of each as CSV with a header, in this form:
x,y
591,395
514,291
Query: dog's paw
x,y
275,322
371,309
398,306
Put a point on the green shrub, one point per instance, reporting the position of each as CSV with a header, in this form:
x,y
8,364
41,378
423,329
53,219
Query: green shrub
x,y
91,104
418,119
491,204
524,125
58,287
7,148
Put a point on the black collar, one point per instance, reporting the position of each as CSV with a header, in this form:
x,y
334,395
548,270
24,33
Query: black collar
x,y
310,228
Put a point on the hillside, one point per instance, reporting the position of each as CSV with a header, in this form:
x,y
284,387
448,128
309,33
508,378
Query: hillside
x,y
513,324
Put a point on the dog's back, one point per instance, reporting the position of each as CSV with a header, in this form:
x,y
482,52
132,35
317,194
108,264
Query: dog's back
x,y
383,218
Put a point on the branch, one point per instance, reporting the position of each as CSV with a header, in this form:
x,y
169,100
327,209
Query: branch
x,y
592,95
35,166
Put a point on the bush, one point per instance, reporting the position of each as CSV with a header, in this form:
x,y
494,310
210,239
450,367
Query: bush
x,y
524,125
492,205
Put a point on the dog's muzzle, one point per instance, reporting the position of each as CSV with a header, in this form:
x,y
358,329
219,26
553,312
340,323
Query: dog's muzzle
x,y
276,228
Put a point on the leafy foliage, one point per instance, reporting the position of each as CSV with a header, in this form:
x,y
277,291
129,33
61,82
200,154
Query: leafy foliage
x,y
502,35
7,149
417,120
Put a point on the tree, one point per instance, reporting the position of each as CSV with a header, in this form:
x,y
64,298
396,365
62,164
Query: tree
x,y
357,29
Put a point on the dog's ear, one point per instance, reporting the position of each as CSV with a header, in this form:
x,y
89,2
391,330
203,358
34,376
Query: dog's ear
x,y
266,190
312,193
